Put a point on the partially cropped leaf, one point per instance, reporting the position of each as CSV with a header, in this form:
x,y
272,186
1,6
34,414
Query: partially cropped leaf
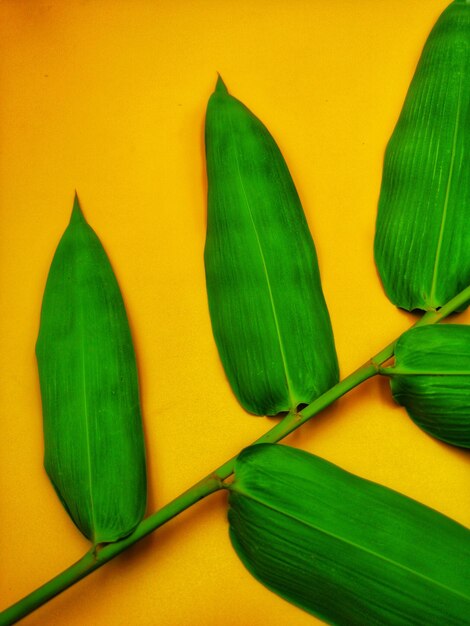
x,y
94,445
349,551
268,313
431,379
422,243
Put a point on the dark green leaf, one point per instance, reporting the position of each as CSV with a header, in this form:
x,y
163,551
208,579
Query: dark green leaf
x,y
422,244
94,445
431,379
349,551
268,313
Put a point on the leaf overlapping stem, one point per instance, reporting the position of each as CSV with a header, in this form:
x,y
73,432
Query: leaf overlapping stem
x,y
100,554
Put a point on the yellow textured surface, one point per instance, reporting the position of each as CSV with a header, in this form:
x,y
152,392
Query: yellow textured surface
x,y
109,98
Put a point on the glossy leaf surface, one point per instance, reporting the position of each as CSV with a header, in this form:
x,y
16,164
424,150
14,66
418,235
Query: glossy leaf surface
x,y
268,313
422,243
343,548
431,379
94,445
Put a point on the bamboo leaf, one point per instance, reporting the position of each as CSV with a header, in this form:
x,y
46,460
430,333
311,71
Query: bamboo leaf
x,y
422,243
431,379
345,549
94,446
268,313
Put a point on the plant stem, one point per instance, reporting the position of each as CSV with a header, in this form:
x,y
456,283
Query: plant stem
x,y
102,553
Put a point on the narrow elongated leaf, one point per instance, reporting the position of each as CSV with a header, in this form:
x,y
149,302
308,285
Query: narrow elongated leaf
x,y
349,551
422,243
268,313
94,446
431,379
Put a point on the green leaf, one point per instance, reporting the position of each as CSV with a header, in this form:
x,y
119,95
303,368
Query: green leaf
x,y
94,444
268,313
349,551
422,243
431,379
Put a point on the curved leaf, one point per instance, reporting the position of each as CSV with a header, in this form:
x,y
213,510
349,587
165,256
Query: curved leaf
x,y
431,379
94,445
422,243
345,549
268,313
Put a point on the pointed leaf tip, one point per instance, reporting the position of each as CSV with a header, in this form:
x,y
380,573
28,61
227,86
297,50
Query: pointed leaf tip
x,y
220,86
265,306
89,388
77,213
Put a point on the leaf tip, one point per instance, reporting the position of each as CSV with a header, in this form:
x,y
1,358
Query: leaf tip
x,y
77,214
220,86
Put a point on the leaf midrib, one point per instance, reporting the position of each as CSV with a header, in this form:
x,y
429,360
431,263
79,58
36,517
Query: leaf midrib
x,y
352,543
293,401
403,371
446,198
87,424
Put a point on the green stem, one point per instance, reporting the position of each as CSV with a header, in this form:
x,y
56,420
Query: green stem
x,y
101,554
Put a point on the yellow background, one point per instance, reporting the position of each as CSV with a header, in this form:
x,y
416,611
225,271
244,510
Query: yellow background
x,y
108,97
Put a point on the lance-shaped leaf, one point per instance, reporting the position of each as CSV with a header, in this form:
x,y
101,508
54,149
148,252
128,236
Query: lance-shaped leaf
x,y
268,313
349,551
422,243
94,444
431,379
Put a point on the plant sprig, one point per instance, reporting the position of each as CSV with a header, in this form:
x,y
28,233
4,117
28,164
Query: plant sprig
x,y
99,555
274,337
